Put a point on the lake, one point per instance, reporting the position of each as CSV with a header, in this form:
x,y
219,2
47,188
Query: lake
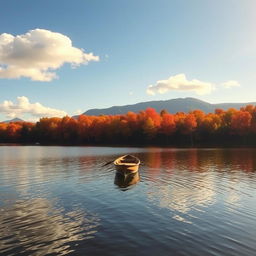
x,y
64,201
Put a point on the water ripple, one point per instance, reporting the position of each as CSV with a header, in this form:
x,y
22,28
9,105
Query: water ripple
x,y
66,200
37,228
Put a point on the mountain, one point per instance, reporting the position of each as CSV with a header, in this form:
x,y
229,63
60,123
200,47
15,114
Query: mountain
x,y
172,106
13,120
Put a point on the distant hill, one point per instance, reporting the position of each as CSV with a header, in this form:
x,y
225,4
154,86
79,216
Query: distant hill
x,y
172,106
13,120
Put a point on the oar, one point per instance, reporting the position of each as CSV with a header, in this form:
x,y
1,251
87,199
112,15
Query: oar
x,y
108,163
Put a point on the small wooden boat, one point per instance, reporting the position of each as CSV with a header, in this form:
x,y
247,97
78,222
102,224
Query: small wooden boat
x,y
127,164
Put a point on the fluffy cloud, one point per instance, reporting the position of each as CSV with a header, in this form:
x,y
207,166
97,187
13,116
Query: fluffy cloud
x,y
230,84
37,53
23,106
180,83
78,112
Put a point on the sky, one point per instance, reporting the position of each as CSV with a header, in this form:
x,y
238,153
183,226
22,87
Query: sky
x,y
64,57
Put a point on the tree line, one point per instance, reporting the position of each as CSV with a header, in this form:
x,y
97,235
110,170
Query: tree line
x,y
148,127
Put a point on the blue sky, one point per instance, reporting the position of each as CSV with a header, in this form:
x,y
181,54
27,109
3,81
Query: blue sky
x,y
138,43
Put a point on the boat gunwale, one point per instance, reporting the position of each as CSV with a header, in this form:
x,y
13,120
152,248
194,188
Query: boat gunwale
x,y
117,163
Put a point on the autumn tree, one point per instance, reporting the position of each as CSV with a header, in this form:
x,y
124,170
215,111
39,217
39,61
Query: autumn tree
x,y
168,125
241,122
147,126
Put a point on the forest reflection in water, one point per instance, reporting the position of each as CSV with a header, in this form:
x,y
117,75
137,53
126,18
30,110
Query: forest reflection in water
x,y
64,201
189,180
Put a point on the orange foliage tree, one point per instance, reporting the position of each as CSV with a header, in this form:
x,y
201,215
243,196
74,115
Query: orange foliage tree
x,y
147,126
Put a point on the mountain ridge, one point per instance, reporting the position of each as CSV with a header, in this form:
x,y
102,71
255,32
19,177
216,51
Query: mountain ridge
x,y
172,106
16,119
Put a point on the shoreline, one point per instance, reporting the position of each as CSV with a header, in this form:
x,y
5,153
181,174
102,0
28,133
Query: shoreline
x,y
131,145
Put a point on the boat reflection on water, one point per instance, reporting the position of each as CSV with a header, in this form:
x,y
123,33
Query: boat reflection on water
x,y
124,181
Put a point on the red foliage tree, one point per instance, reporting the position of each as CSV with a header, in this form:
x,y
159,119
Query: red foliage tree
x,y
241,122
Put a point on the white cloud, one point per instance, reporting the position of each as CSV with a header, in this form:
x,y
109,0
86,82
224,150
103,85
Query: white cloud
x,y
230,84
180,83
23,106
37,53
78,112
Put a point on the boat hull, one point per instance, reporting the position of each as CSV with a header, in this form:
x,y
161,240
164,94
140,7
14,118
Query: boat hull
x,y
127,169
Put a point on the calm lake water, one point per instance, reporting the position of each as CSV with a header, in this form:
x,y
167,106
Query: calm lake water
x,y
63,201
